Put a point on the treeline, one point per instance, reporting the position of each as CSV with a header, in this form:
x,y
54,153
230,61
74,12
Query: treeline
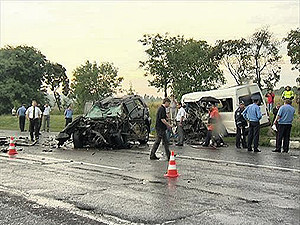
x,y
174,65
181,65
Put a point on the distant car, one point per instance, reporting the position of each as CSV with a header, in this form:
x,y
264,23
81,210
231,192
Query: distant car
x,y
112,122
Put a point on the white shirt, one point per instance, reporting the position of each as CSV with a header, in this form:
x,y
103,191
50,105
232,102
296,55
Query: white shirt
x,y
47,111
29,112
181,113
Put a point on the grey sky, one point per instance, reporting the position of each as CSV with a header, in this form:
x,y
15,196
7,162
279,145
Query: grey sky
x,y
71,32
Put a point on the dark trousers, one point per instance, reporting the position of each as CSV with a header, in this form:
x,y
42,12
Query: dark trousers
x,y
240,136
284,132
253,135
22,123
161,135
208,138
68,120
34,125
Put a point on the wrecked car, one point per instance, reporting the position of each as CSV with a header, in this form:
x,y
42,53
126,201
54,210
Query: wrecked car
x,y
112,123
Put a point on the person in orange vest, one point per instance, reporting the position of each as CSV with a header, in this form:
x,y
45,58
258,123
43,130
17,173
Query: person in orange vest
x,y
214,118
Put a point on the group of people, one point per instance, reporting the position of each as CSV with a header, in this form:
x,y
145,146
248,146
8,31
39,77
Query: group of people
x,y
283,118
165,121
244,116
38,117
288,93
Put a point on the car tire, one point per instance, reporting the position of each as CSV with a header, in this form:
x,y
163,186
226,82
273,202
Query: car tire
x,y
144,141
77,140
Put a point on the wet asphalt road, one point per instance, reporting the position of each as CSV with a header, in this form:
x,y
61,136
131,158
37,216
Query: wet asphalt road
x,y
92,186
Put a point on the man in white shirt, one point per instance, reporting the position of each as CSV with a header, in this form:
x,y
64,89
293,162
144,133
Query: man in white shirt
x,y
179,120
33,114
46,117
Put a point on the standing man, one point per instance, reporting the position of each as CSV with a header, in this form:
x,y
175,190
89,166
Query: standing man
x,y
46,117
270,100
288,93
181,115
284,119
21,115
253,114
68,114
34,114
161,127
241,124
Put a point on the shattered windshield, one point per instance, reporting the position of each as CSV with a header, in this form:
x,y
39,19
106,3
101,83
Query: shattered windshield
x,y
97,112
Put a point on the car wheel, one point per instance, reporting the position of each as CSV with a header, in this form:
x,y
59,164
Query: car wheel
x,y
77,140
144,141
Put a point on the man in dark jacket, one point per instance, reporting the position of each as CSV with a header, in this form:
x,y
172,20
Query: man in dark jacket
x,y
161,126
241,124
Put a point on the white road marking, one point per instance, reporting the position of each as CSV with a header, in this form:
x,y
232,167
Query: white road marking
x,y
49,160
98,165
240,163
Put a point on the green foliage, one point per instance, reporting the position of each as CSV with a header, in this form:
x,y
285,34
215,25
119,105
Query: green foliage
x,y
182,65
265,57
195,69
293,47
160,51
255,60
26,74
8,122
55,78
234,54
21,72
92,82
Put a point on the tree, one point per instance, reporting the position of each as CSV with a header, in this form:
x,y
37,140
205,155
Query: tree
x,y
57,81
293,47
195,69
265,57
21,72
92,82
234,55
161,48
182,65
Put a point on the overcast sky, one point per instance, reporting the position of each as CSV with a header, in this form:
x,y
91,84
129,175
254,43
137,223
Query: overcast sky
x,y
71,32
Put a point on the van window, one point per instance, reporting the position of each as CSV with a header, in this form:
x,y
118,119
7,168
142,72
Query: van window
x,y
247,99
225,105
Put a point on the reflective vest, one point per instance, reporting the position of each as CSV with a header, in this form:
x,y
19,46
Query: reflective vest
x,y
288,95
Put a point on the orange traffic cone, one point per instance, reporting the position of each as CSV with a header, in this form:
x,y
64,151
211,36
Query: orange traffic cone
x,y
12,148
172,171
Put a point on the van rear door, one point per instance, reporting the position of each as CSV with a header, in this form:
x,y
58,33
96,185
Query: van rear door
x,y
254,91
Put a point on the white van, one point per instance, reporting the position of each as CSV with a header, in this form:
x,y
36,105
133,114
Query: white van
x,y
229,101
